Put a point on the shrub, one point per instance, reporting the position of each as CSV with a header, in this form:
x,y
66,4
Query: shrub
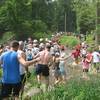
x,y
69,41
39,35
90,40
7,36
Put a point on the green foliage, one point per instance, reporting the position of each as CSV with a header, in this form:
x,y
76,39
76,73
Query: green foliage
x,y
39,35
90,39
0,72
86,15
76,89
3,19
69,41
39,26
65,14
25,17
7,37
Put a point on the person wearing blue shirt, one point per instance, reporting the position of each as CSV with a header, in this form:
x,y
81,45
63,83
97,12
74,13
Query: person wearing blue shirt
x,y
11,80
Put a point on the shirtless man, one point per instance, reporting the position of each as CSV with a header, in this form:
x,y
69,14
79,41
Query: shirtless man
x,y
42,69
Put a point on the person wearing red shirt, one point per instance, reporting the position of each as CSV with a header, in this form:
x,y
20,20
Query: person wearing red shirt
x,y
76,54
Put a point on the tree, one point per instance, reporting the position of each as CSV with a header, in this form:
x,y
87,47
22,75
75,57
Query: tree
x,y
27,17
16,17
85,15
66,17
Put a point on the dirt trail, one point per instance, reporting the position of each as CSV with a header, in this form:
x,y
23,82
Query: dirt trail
x,y
72,71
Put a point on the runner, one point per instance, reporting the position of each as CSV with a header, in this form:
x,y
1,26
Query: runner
x,y
57,73
35,49
62,63
29,53
76,55
11,75
42,69
96,60
23,69
85,65
83,52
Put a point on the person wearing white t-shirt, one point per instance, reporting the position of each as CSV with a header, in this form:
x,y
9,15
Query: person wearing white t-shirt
x,y
35,49
83,52
23,69
96,60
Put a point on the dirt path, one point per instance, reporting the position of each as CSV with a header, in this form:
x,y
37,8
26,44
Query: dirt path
x,y
72,71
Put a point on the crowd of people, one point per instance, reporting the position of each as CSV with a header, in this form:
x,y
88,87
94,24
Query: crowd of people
x,y
45,55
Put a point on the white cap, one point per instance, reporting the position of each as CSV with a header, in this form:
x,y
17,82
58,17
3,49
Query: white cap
x,y
46,39
57,54
41,44
35,41
41,39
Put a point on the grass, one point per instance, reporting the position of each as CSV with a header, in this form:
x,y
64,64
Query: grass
x,y
74,89
0,72
32,79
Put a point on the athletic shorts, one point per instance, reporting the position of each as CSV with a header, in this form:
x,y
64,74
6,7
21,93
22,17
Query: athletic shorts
x,y
42,69
85,70
57,73
45,70
83,55
38,69
8,90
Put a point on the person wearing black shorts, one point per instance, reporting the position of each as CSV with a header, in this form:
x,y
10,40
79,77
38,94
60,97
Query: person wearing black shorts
x,y
42,68
9,90
11,80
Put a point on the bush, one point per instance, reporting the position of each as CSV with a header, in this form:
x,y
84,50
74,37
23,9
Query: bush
x,y
39,35
69,41
90,39
6,37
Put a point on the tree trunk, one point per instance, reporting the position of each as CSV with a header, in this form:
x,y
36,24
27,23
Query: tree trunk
x,y
98,23
65,21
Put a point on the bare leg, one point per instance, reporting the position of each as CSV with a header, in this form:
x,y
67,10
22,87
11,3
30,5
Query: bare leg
x,y
16,98
44,83
39,78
